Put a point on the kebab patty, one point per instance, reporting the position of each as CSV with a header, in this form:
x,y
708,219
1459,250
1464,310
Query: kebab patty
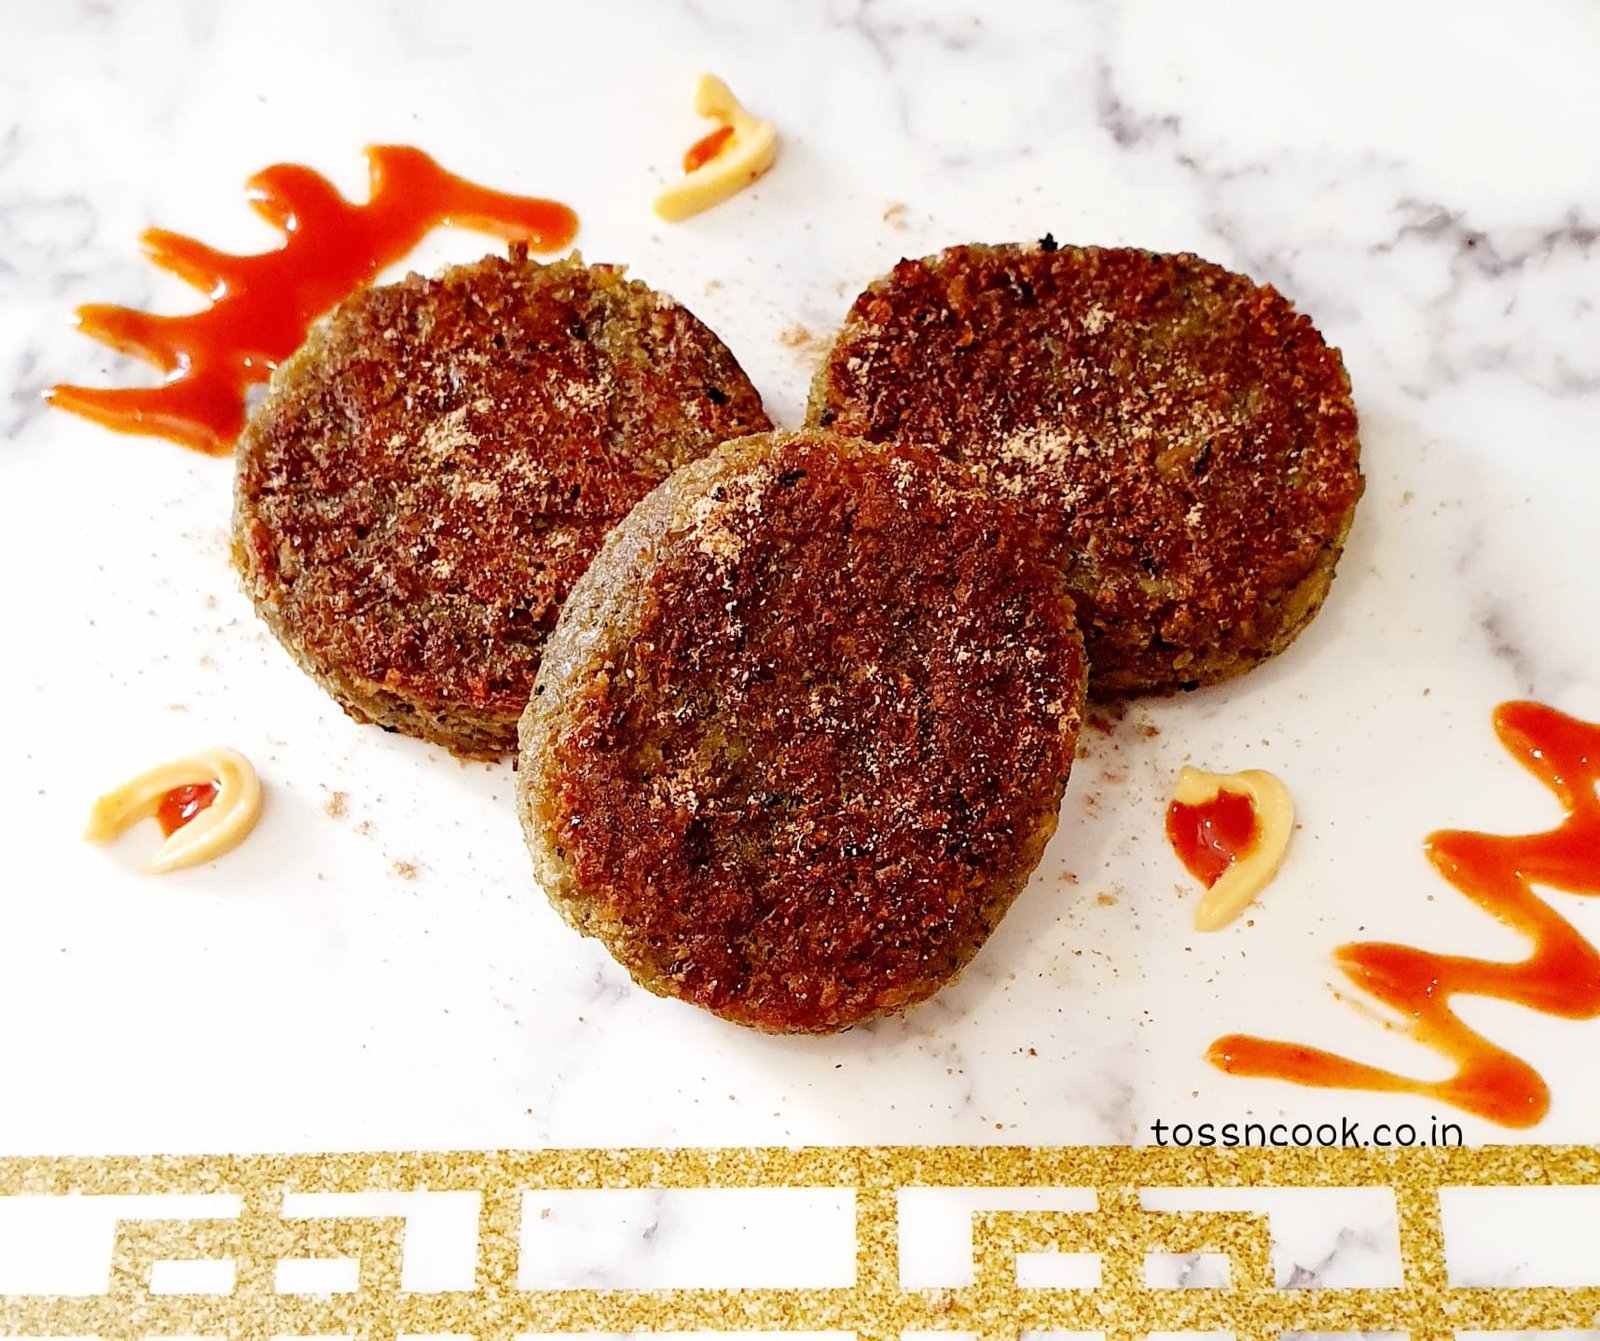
x,y
432,471
801,734
1184,434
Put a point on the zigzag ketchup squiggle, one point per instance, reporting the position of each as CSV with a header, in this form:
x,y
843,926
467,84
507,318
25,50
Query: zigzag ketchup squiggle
x,y
1560,976
262,306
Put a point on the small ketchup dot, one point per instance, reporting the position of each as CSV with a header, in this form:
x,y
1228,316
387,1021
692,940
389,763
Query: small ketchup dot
x,y
707,147
1210,837
182,804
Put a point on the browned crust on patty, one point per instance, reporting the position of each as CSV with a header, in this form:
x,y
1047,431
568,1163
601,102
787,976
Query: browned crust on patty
x,y
802,732
1183,432
434,469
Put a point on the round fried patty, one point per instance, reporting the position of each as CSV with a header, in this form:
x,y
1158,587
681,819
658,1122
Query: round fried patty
x,y
432,471
1183,432
802,731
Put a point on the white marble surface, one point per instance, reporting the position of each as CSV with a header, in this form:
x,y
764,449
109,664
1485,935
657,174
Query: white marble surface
x,y
1422,179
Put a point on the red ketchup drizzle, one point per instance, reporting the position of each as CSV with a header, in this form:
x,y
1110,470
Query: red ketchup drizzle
x,y
262,306
182,804
1560,975
703,150
1210,837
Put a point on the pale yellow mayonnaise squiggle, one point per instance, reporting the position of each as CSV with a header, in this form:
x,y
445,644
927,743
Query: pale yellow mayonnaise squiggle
x,y
217,829
1248,875
747,153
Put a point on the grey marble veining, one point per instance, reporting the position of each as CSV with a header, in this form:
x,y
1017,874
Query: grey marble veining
x,y
1421,180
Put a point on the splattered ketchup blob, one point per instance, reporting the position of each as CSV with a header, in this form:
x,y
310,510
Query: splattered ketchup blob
x,y
261,306
1560,974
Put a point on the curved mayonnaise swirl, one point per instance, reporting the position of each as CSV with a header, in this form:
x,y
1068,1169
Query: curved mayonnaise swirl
x,y
743,157
217,829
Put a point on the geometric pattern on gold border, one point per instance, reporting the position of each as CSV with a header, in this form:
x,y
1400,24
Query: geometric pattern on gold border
x,y
874,1306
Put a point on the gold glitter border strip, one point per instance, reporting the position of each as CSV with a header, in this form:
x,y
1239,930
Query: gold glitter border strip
x,y
1120,1230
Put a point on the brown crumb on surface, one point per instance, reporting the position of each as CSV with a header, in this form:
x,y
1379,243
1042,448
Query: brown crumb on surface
x,y
894,215
337,805
364,828
1106,900
406,870
801,339
1106,717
